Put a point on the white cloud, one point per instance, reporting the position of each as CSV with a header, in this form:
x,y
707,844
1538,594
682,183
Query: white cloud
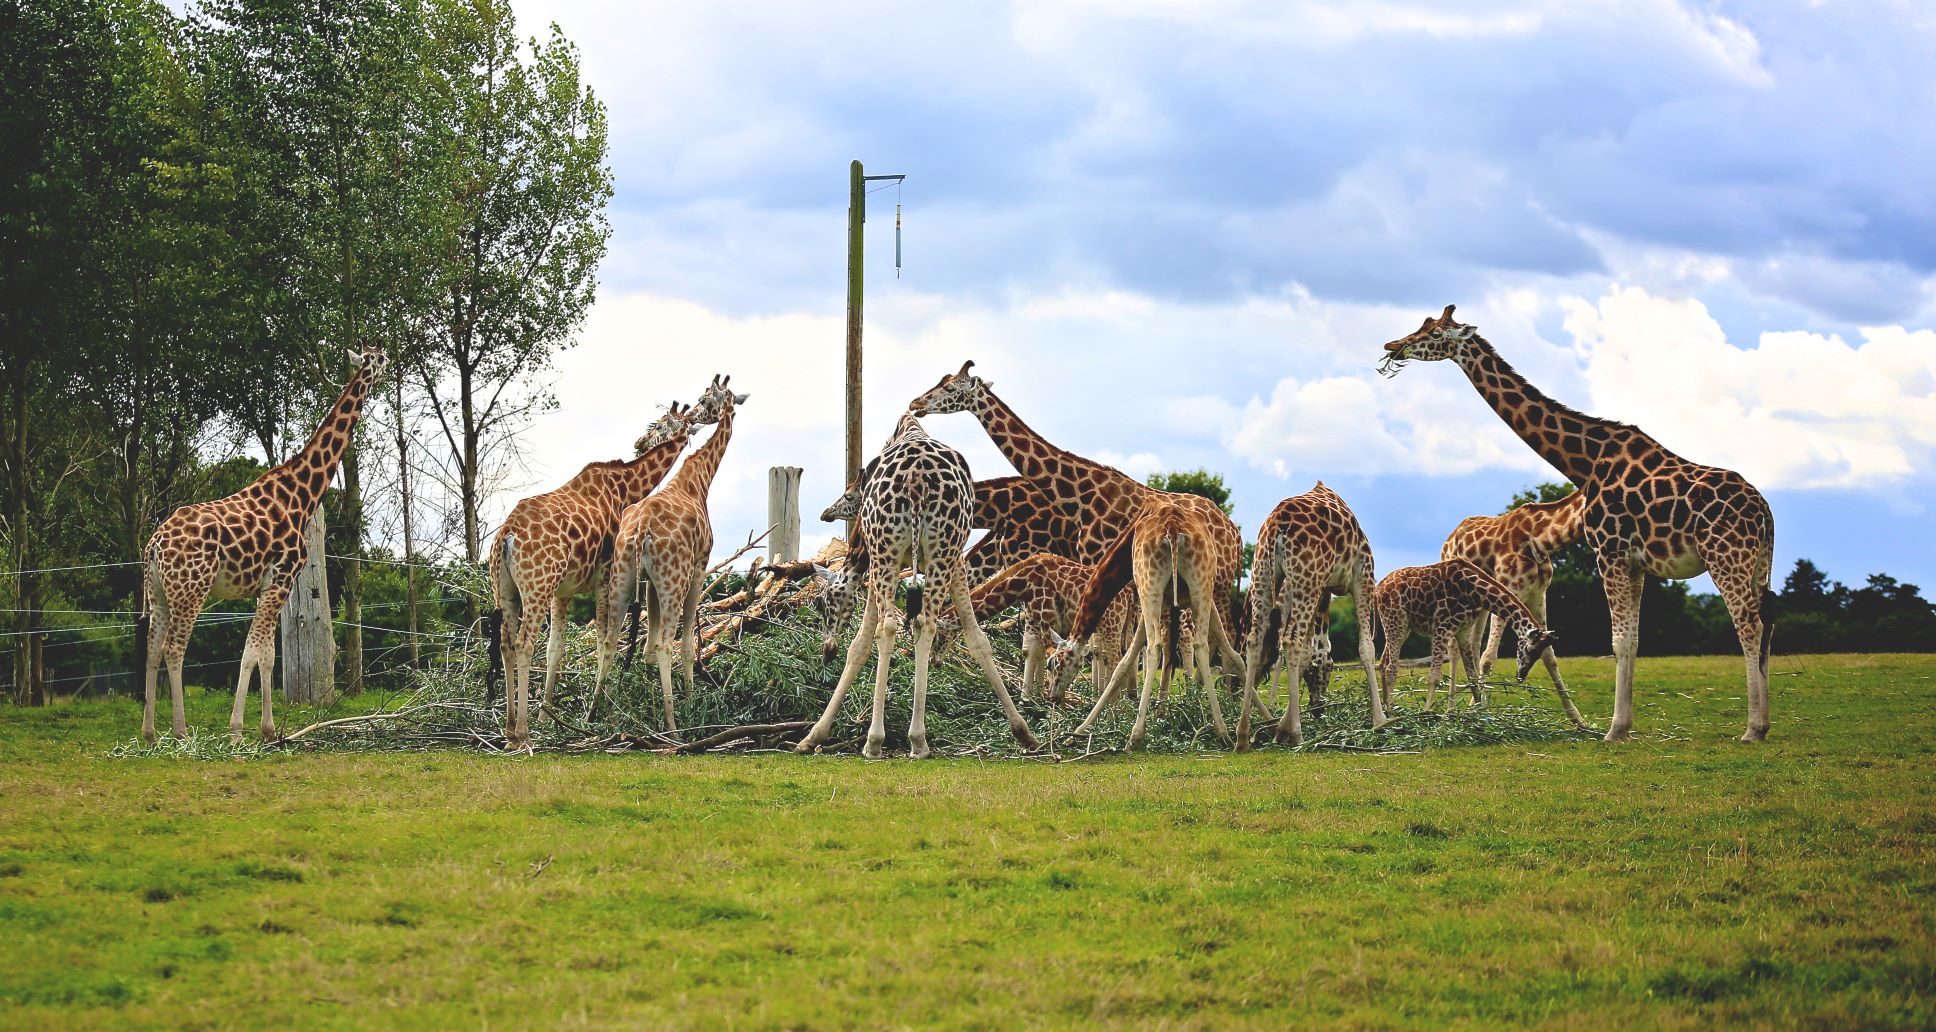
x,y
1802,410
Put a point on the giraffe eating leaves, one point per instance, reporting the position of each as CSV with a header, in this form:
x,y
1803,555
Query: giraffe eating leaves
x,y
1445,600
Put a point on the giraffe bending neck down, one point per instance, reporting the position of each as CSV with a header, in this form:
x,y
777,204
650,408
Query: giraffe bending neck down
x,y
1647,510
1049,590
1309,548
1517,549
1169,552
916,503
660,553
1444,600
250,544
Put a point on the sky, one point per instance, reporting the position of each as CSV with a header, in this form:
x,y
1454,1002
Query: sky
x,y
1175,235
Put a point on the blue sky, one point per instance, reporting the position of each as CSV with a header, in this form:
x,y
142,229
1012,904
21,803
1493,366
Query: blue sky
x,y
1175,234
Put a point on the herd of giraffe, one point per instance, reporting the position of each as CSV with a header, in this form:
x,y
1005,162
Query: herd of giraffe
x,y
1103,566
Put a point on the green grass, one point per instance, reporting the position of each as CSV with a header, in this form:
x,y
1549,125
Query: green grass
x,y
1680,880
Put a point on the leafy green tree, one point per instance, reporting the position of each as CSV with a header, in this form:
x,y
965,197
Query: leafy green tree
x,y
1197,481
514,150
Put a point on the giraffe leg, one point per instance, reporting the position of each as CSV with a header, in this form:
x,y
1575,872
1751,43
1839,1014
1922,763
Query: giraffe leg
x,y
1363,600
1538,606
1742,578
1032,650
517,734
1397,628
1253,660
890,629
158,627
856,658
918,720
1124,669
1153,667
608,611
555,654
261,648
182,611
689,630
984,654
1622,581
1295,646
661,601
1465,641
1210,636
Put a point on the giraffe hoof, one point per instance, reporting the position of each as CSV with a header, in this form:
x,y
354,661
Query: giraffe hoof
x,y
1617,735
148,737
872,750
1754,735
919,750
269,733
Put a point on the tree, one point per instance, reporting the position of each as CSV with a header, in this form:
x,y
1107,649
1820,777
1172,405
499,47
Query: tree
x,y
515,145
1197,481
332,92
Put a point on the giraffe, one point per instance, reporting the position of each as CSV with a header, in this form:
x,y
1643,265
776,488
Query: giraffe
x,y
1020,523
248,545
556,546
1648,511
1445,599
916,502
1309,548
1094,504
1049,588
1170,552
665,539
1518,548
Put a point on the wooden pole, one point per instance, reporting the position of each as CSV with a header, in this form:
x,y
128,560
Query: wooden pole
x,y
856,215
308,646
783,514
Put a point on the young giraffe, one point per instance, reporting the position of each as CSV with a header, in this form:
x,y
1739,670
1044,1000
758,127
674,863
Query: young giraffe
x,y
1517,548
665,539
1444,600
1309,548
1049,589
556,546
1648,511
1170,551
1020,523
1096,503
250,544
916,502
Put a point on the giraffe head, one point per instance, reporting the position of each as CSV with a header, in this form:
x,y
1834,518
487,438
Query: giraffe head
x,y
847,506
1530,647
714,401
1063,656
833,602
675,420
370,361
957,392
1434,340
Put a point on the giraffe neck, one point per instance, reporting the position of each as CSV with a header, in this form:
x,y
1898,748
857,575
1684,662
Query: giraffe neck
x,y
1500,599
1025,449
1560,524
1005,589
1568,440
619,484
309,471
696,476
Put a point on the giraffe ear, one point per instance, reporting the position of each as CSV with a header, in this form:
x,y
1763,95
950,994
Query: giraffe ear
x,y
356,355
740,399
822,573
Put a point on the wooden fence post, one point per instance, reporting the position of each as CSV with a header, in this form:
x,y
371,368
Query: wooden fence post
x,y
783,514
308,648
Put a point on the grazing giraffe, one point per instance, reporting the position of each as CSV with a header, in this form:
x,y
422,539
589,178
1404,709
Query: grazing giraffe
x,y
1517,548
1049,589
250,544
556,546
664,540
1170,551
1309,548
1444,600
1648,511
1094,504
916,502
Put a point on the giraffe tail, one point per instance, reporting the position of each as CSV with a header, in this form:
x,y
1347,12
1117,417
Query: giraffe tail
x,y
494,643
1768,603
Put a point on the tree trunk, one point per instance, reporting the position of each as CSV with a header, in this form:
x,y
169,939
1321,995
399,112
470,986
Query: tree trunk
x,y
24,583
353,566
308,649
467,480
409,541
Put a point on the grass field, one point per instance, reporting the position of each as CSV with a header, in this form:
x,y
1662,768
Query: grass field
x,y
1681,880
